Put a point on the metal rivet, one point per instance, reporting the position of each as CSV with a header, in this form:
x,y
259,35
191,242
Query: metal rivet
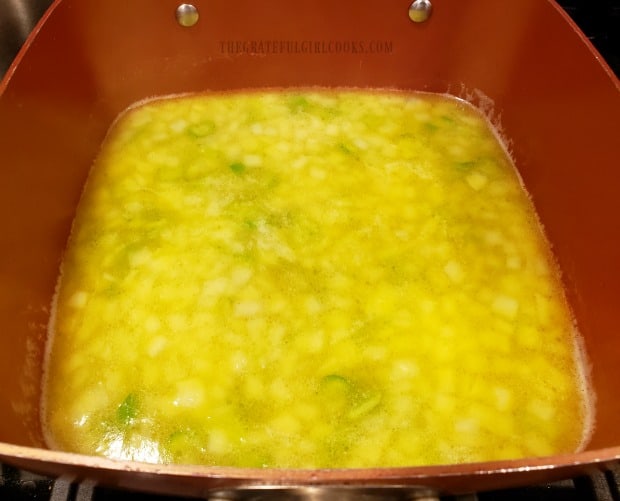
x,y
187,15
420,11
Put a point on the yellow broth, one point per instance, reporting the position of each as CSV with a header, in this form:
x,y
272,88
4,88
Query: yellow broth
x,y
310,279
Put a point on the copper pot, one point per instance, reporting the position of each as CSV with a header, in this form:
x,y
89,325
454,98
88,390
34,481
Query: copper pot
x,y
523,62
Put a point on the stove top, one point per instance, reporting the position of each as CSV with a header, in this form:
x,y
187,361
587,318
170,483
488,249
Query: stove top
x,y
19,485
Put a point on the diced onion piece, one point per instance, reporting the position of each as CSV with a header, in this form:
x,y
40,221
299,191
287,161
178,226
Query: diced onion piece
x,y
247,308
454,271
476,180
79,299
506,305
218,442
189,393
156,346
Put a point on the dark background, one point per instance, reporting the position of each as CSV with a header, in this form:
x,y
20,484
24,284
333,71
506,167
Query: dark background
x,y
600,22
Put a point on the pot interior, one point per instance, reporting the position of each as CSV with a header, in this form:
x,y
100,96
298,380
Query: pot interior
x,y
523,64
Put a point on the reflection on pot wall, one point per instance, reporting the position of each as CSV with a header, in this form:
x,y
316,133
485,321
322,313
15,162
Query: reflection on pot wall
x,y
17,18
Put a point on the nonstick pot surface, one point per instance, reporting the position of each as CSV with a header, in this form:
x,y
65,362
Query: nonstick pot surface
x,y
522,62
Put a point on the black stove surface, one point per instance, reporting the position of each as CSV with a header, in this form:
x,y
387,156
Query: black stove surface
x,y
599,20
19,485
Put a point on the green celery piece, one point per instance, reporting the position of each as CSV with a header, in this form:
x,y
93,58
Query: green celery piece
x,y
127,411
237,167
298,103
366,406
201,129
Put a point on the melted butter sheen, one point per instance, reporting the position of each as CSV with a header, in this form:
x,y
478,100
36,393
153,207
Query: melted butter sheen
x,y
309,279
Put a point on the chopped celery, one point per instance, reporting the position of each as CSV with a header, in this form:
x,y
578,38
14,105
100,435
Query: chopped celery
x,y
201,129
128,409
464,165
348,399
334,383
184,445
336,393
298,103
237,167
367,405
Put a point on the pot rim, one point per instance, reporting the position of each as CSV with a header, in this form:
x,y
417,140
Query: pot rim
x,y
308,475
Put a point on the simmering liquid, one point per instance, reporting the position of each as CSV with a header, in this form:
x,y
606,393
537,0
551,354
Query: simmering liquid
x,y
310,279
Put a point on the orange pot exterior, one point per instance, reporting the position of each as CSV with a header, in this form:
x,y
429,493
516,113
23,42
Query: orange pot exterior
x,y
523,62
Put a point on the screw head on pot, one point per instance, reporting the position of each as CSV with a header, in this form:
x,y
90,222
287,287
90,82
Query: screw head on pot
x,y
420,11
187,15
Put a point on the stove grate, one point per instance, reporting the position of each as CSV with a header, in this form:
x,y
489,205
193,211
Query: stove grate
x,y
20,485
